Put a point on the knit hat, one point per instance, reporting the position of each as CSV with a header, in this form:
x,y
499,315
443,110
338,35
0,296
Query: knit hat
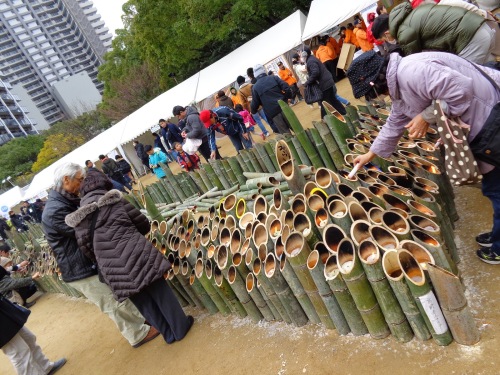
x,y
380,26
95,180
364,70
258,70
4,261
205,116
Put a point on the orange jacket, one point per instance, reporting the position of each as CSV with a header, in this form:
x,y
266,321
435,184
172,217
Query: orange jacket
x,y
325,53
350,38
362,39
334,45
287,76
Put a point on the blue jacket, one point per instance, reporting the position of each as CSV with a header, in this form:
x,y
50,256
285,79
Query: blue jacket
x,y
231,121
171,134
155,160
266,92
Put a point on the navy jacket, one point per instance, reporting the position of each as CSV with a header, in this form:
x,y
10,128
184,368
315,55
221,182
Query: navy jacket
x,y
266,92
171,134
318,72
231,121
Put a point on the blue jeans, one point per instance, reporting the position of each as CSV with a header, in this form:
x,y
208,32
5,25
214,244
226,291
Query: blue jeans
x,y
344,101
239,142
491,190
258,117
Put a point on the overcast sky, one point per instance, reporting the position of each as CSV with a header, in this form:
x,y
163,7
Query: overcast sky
x,y
111,12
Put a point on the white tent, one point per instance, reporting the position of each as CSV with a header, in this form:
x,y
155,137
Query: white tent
x,y
9,199
325,14
141,120
265,47
101,144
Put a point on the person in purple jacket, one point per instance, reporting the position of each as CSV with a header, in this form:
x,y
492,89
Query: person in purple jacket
x,y
414,83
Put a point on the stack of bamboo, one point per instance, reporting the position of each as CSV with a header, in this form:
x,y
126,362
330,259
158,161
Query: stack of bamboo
x,y
280,232
366,254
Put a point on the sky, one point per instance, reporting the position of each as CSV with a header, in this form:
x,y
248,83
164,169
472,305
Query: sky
x,y
111,12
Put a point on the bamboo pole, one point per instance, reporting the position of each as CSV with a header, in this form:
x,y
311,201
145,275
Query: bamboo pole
x,y
322,149
233,180
340,215
369,254
198,289
441,257
425,298
269,147
239,288
290,170
316,269
300,135
283,291
236,168
258,299
331,145
231,299
301,155
274,302
343,296
297,251
355,278
340,131
384,239
450,293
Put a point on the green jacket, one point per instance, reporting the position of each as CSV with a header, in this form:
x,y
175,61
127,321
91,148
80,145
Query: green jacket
x,y
433,27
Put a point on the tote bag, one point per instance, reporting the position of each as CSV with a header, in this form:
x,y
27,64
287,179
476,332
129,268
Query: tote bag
x,y
312,93
459,161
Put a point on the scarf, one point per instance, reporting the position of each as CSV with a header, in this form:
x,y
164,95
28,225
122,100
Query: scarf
x,y
74,199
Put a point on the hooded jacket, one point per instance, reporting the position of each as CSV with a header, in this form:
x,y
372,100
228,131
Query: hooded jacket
x,y
433,27
415,81
266,92
127,260
110,168
244,93
225,101
139,150
72,264
194,127
319,73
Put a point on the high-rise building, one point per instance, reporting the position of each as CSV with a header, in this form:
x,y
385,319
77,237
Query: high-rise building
x,y
14,121
45,41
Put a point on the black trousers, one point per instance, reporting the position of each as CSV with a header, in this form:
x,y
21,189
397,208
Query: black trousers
x,y
331,65
281,123
204,150
27,291
157,303
329,97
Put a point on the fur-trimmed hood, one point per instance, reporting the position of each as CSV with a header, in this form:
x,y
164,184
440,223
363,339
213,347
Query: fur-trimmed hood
x,y
75,218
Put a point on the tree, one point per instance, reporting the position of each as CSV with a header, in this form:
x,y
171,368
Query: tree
x,y
18,155
85,126
55,147
183,37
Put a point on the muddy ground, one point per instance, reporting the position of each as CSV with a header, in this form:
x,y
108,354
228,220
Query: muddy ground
x,y
77,330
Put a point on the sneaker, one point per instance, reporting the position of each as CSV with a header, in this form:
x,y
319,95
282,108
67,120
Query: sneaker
x,y
488,256
57,366
484,239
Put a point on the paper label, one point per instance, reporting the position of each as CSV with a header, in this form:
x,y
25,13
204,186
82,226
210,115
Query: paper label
x,y
434,313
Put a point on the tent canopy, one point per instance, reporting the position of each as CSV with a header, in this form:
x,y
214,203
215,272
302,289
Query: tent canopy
x,y
9,199
265,47
101,144
325,14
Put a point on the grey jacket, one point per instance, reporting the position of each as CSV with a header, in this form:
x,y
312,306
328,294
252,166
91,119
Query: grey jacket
x,y
194,127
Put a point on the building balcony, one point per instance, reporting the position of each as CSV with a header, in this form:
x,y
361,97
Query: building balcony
x,y
7,47
7,98
4,110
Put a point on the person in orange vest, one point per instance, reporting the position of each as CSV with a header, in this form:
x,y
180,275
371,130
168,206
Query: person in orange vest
x,y
349,36
286,75
362,38
327,55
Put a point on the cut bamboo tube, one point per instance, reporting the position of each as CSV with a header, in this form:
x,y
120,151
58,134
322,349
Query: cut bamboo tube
x,y
425,298
340,131
450,293
420,253
343,296
396,224
332,235
290,170
297,251
238,171
355,278
441,257
231,298
369,254
384,239
316,269
283,291
258,299
273,300
199,289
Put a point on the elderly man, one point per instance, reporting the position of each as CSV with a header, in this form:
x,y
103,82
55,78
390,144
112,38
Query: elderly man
x,y
76,269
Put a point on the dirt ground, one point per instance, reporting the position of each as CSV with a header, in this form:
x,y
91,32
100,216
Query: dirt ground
x,y
77,330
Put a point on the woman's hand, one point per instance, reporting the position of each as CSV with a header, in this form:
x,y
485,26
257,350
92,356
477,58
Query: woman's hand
x,y
417,127
213,155
364,159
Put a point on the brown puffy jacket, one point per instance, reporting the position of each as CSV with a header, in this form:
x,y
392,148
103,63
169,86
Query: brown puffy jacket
x,y
126,259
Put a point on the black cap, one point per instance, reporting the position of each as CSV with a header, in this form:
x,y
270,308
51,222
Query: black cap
x,y
380,26
148,148
177,110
